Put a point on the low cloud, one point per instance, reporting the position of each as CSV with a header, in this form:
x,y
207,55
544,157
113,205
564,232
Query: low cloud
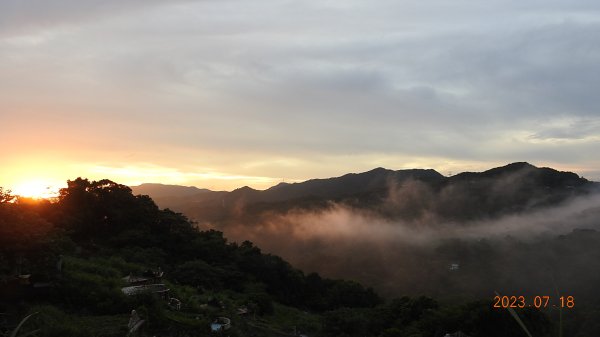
x,y
412,256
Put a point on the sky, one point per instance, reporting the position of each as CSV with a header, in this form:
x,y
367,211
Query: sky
x,y
222,94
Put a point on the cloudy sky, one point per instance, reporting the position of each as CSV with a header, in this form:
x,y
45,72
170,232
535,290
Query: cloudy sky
x,y
221,94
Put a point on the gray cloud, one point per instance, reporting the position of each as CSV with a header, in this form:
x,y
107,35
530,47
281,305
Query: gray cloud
x,y
19,17
465,81
575,130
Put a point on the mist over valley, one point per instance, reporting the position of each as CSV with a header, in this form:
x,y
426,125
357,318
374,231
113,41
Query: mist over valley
x,y
516,229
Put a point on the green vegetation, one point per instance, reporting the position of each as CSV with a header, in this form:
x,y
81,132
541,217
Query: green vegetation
x,y
78,250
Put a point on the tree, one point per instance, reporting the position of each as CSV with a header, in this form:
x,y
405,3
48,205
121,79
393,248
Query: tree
x,y
6,196
101,209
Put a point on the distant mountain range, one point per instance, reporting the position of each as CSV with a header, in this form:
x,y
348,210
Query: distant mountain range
x,y
161,191
495,225
397,194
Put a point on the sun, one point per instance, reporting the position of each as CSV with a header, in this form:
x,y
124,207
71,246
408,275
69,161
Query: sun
x,y
36,189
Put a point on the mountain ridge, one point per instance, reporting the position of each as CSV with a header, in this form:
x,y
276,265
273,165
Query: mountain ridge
x,y
467,195
157,188
162,190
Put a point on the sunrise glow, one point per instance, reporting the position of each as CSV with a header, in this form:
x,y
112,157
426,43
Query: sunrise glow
x,y
36,189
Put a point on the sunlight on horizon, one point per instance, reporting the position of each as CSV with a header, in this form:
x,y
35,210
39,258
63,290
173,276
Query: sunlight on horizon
x,y
133,175
37,189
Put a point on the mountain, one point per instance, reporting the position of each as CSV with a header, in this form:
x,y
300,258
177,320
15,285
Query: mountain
x,y
357,225
396,194
167,191
347,185
169,196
